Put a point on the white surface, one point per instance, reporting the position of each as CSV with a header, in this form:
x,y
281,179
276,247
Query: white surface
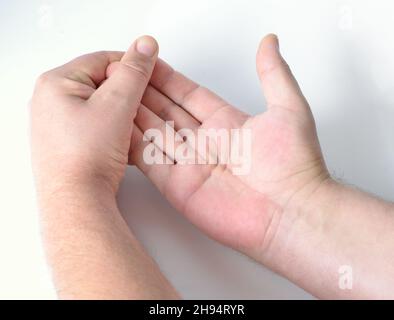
x,y
340,51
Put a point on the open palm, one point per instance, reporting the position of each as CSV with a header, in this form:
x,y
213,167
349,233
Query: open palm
x,y
242,211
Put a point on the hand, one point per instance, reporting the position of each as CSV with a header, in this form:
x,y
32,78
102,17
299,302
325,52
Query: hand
x,y
81,127
81,131
287,166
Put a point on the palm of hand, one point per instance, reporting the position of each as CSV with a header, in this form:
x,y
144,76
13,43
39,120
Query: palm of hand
x,y
241,211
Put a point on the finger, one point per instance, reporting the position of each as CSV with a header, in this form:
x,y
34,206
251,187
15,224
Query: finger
x,y
162,106
124,89
279,86
195,99
111,68
157,173
167,110
176,100
80,77
89,69
170,178
169,140
135,142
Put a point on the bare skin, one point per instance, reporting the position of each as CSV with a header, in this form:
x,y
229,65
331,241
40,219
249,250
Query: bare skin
x,y
80,144
287,214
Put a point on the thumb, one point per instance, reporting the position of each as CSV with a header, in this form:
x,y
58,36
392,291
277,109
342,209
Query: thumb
x,y
279,86
123,90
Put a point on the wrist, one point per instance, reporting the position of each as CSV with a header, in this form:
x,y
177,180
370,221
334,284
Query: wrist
x,y
330,229
54,180
65,173
304,216
75,192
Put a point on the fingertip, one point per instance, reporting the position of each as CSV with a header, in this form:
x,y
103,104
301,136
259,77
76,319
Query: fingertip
x,y
147,45
268,55
269,46
142,54
270,39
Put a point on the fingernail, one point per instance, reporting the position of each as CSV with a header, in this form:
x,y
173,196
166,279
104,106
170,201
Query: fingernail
x,y
147,46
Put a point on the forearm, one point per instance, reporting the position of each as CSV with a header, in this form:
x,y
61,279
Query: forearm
x,y
92,252
337,232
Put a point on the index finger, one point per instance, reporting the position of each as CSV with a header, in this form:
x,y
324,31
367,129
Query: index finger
x,y
89,69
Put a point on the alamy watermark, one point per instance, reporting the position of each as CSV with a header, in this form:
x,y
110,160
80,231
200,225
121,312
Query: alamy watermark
x,y
230,147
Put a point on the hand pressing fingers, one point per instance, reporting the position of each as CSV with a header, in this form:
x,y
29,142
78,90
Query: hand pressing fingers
x,y
92,118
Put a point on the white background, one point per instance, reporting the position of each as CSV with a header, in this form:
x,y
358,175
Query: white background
x,y
340,51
